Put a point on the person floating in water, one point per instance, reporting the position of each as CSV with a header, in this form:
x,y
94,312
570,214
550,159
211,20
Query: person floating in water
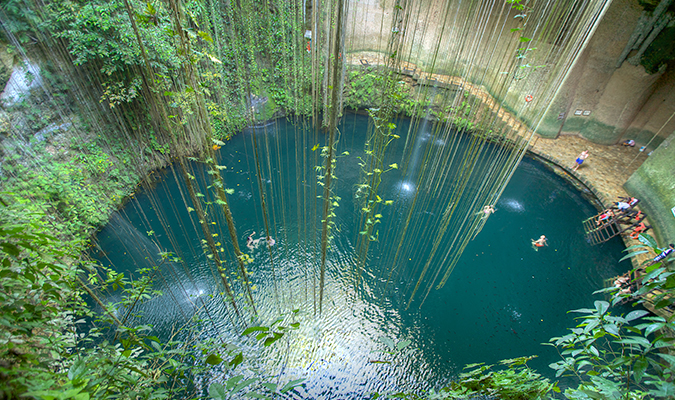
x,y
249,242
253,244
664,254
486,211
541,242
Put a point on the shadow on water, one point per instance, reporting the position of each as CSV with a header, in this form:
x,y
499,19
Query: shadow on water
x,y
502,301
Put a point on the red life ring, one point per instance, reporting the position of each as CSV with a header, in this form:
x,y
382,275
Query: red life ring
x,y
528,98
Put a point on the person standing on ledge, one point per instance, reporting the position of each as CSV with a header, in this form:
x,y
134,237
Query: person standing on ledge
x,y
584,155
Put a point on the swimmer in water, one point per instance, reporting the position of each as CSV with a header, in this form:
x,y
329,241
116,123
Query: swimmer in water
x,y
251,243
541,242
271,242
486,211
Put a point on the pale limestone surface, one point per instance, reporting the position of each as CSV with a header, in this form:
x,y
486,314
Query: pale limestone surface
x,y
604,172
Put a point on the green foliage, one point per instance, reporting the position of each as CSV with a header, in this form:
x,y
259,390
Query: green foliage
x,y
627,356
19,20
363,88
255,388
515,382
617,357
40,305
267,335
393,349
80,191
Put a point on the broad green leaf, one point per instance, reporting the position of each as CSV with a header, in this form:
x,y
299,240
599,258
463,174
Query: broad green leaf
x,y
213,359
233,381
290,385
388,342
256,395
594,351
669,358
639,368
653,328
272,339
238,359
10,249
648,240
601,306
243,384
613,329
636,340
635,246
653,274
665,390
633,254
583,310
255,329
217,391
205,36
403,344
77,369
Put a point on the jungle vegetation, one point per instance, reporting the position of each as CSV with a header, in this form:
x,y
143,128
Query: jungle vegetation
x,y
142,84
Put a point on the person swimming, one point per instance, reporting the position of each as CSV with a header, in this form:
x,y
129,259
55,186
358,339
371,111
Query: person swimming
x,y
251,243
541,242
486,211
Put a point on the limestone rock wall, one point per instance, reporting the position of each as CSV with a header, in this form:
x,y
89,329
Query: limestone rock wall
x,y
654,184
606,98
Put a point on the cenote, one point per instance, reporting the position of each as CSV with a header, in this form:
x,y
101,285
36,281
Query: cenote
x,y
502,300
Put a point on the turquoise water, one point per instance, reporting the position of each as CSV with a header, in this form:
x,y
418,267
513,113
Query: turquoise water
x,y
502,301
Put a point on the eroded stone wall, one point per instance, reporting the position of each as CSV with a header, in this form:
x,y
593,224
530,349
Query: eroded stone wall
x,y
654,184
606,98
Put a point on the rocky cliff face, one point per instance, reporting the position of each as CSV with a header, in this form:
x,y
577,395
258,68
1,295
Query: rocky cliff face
x,y
621,86
607,97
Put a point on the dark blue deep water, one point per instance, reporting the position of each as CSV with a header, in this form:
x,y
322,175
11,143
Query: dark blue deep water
x,y
503,299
